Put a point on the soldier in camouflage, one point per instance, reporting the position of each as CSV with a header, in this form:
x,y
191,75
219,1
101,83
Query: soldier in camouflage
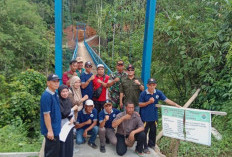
x,y
114,83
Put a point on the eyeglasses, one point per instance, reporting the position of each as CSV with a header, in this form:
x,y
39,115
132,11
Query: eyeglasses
x,y
88,66
119,64
131,70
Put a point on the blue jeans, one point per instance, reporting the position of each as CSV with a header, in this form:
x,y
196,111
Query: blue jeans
x,y
93,132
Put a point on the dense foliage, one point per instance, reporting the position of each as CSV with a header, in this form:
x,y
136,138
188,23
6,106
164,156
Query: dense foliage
x,y
192,49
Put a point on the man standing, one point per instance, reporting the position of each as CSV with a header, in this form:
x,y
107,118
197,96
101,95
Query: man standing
x,y
87,80
106,116
86,124
149,112
130,126
114,83
130,88
69,74
80,68
50,117
100,81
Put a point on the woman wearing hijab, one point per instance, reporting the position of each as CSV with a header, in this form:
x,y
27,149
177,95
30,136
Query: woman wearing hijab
x,y
67,113
75,94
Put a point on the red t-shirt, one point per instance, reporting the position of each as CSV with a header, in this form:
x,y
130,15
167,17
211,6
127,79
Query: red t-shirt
x,y
96,85
66,76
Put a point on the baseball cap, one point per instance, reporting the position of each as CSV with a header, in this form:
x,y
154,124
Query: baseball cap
x,y
79,59
100,66
52,77
151,80
88,63
120,62
108,102
89,102
130,66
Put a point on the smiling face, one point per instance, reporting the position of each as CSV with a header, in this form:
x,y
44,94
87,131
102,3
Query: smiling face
x,y
77,84
79,65
88,108
100,71
108,108
64,93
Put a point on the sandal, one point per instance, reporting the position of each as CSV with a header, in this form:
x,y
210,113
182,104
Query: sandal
x,y
146,151
139,154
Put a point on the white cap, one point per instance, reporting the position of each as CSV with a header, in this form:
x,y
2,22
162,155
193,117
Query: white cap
x,y
89,102
100,65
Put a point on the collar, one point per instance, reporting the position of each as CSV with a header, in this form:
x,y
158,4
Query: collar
x,y
49,91
133,115
107,112
86,112
150,93
86,72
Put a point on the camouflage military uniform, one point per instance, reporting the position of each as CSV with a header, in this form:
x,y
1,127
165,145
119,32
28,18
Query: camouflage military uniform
x,y
114,90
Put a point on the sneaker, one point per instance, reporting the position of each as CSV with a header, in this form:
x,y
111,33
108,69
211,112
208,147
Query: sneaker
x,y
102,149
93,145
107,141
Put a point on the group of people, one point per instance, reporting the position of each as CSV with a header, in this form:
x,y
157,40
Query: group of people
x,y
97,105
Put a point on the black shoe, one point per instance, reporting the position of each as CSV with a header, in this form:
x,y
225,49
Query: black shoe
x,y
102,149
107,141
93,145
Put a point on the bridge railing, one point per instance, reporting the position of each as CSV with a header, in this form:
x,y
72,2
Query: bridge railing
x,y
76,47
96,59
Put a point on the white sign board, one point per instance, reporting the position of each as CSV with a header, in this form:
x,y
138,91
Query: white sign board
x,y
196,127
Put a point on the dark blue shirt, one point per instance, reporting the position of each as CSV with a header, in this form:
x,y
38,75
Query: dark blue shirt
x,y
89,89
49,103
150,112
112,116
83,117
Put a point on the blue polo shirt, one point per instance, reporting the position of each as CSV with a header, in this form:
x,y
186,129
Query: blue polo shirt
x,y
112,116
150,112
83,117
49,103
89,89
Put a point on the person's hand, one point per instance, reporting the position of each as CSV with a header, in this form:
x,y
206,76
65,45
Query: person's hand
x,y
75,107
151,100
86,97
178,106
131,137
91,78
99,81
74,74
50,135
88,122
137,82
85,134
71,121
127,116
106,117
116,79
121,105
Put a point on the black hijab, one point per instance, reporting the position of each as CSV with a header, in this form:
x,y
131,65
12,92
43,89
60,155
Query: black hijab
x,y
65,103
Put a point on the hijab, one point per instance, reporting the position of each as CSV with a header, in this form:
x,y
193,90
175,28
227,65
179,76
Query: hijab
x,y
76,91
65,103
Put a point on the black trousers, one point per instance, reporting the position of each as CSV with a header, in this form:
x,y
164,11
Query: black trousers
x,y
121,147
99,105
152,134
52,147
66,148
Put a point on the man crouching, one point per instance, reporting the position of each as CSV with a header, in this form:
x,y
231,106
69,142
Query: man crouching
x,y
130,129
